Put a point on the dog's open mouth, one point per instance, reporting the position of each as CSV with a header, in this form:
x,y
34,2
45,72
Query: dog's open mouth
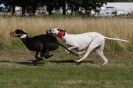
x,y
13,34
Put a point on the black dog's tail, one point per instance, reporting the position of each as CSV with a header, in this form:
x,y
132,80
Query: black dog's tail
x,y
72,52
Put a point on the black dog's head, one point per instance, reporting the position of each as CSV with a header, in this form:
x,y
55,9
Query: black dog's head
x,y
18,33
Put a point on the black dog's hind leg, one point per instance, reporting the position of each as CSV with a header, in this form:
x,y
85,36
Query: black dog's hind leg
x,y
38,58
46,53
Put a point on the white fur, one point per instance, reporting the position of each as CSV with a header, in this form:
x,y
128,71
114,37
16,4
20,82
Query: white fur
x,y
23,36
86,42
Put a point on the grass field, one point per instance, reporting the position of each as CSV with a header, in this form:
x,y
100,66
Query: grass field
x,y
16,71
60,71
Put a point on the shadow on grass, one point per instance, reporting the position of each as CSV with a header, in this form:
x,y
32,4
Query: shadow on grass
x,y
70,61
34,63
25,63
29,62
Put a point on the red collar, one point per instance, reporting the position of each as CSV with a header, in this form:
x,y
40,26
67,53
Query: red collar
x,y
61,34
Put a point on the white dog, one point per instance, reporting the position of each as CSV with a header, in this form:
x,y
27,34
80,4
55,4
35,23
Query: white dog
x,y
84,42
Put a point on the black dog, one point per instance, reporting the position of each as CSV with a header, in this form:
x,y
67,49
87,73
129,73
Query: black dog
x,y
41,44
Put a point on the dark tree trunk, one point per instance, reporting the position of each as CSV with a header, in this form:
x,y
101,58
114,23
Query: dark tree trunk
x,y
13,9
63,5
64,9
33,9
49,9
72,9
23,10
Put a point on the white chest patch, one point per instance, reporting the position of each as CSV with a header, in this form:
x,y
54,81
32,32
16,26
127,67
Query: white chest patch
x,y
23,36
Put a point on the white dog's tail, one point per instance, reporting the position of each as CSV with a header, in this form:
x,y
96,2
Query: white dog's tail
x,y
116,39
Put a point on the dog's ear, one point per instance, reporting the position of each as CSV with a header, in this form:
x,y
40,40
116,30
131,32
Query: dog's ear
x,y
61,30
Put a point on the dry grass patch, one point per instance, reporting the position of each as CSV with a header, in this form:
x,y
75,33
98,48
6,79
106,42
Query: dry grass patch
x,y
112,27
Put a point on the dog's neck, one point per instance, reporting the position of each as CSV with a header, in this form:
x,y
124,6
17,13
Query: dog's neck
x,y
26,40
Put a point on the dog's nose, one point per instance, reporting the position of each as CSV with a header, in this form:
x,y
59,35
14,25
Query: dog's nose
x,y
11,33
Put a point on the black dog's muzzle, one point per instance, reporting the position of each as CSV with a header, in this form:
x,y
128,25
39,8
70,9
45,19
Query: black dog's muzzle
x,y
13,34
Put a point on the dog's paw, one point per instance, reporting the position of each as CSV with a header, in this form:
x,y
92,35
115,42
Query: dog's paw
x,y
79,56
104,63
67,51
48,56
77,61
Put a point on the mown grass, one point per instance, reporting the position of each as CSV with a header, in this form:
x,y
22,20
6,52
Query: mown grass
x,y
112,27
61,72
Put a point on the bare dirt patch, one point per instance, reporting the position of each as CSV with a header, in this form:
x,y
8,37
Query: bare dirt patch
x,y
16,53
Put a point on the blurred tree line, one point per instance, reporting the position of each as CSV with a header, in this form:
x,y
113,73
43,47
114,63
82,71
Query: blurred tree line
x,y
74,5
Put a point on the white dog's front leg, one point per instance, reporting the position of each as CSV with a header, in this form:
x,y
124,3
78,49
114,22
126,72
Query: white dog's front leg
x,y
71,48
85,56
81,52
90,48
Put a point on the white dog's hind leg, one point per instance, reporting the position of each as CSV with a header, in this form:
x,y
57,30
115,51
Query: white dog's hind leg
x,y
103,56
99,51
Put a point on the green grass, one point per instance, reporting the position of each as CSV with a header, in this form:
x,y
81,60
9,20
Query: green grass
x,y
61,72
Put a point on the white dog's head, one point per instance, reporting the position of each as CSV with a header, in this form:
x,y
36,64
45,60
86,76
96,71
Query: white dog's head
x,y
56,32
53,31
